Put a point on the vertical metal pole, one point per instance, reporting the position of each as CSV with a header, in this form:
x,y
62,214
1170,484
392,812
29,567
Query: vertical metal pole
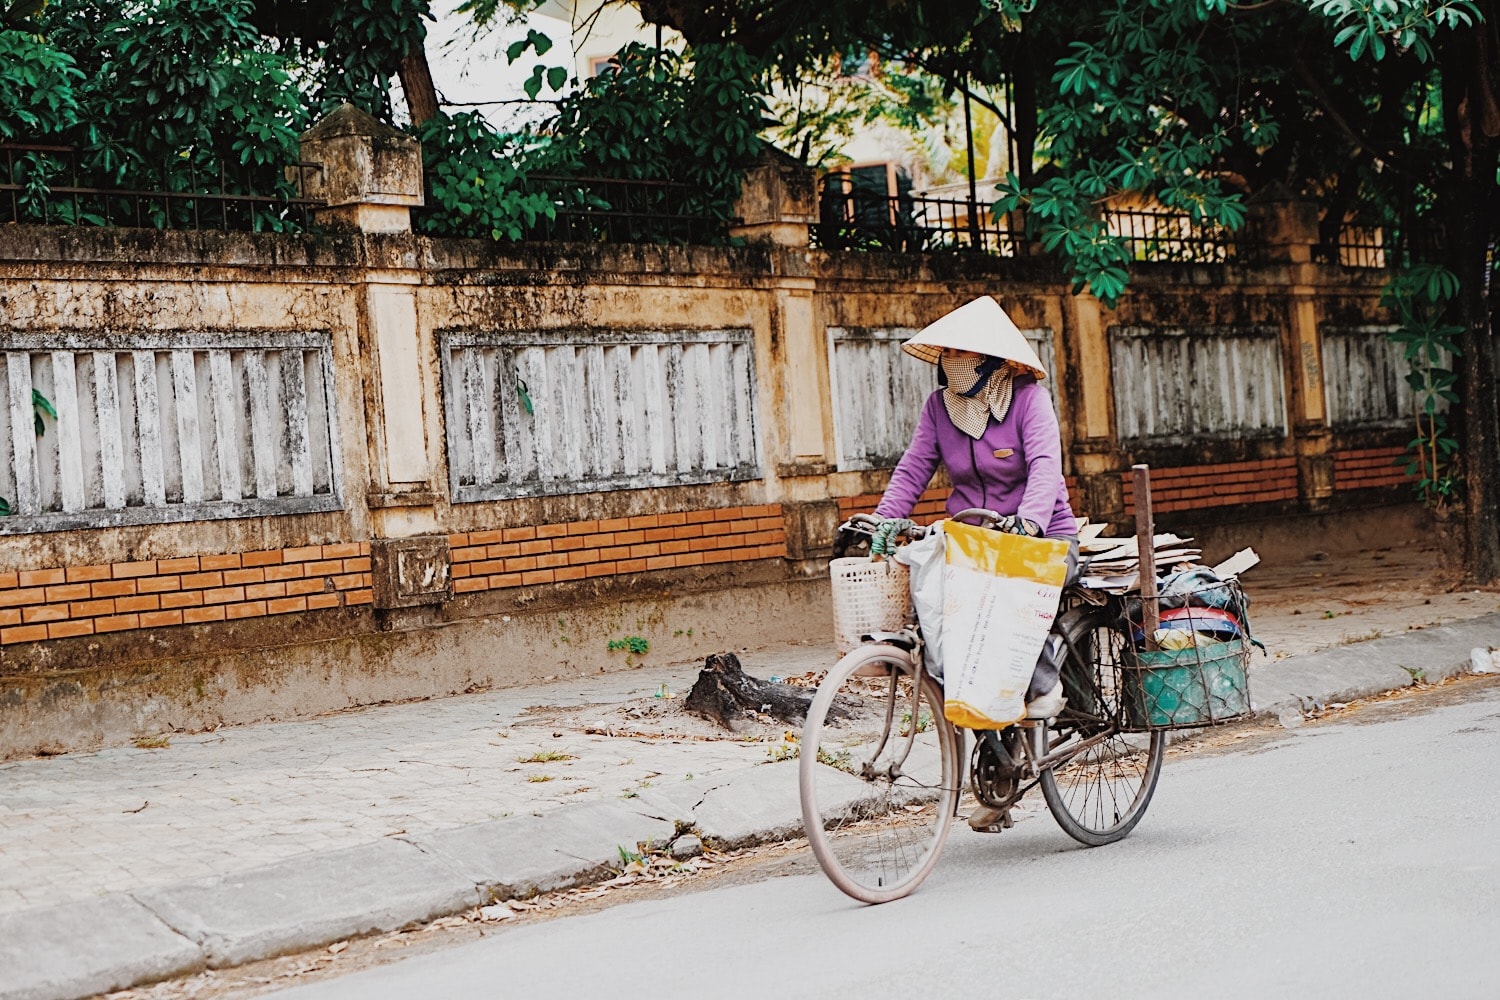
x,y
1145,540
974,242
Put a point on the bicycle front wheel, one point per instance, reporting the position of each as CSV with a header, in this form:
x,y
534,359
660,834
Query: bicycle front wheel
x,y
879,775
1099,795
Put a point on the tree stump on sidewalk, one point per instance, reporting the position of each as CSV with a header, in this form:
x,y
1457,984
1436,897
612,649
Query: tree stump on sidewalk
x,y
724,692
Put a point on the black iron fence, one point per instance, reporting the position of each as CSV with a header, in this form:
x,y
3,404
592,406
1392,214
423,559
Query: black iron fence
x,y
56,185
611,210
851,218
1360,246
1159,236
1357,247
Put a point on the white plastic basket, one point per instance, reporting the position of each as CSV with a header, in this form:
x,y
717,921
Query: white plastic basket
x,y
867,597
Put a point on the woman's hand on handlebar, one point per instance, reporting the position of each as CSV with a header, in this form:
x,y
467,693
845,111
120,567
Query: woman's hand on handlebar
x,y
883,543
878,528
1013,524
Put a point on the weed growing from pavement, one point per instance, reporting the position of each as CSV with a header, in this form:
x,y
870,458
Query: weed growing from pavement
x,y
631,644
840,760
546,757
785,750
924,722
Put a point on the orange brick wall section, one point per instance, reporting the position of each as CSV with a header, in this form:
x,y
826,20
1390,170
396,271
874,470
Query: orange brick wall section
x,y
1362,468
87,600
553,553
1196,486
931,506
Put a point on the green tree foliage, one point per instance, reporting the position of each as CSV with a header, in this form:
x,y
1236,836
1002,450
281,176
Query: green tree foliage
x,y
1420,296
172,95
819,112
348,51
478,180
1197,104
36,92
655,115
659,115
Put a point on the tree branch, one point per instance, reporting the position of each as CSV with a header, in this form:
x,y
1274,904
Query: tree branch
x,y
952,81
1387,160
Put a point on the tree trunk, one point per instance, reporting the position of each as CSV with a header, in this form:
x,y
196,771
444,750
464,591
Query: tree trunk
x,y
724,693
1024,114
416,84
1470,214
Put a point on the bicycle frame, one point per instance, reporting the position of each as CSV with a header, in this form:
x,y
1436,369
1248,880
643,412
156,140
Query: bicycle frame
x,y
1040,753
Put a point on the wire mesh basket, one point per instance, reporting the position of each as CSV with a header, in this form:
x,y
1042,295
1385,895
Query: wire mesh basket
x,y
867,597
1199,674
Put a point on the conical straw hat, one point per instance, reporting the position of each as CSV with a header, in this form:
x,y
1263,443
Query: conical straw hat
x,y
980,326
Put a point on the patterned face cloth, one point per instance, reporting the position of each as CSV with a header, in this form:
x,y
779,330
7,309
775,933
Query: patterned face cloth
x,y
978,387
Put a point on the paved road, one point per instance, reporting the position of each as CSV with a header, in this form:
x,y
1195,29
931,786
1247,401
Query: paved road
x,y
1359,859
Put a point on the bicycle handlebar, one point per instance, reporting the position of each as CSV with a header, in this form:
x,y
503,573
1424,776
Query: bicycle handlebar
x,y
865,524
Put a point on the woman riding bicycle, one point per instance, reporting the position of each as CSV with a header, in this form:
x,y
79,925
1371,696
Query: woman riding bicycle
x,y
879,766
992,426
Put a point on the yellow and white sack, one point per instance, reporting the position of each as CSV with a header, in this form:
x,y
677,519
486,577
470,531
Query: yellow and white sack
x,y
1000,596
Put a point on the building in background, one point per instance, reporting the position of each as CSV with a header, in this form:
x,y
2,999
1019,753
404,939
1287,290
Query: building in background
x,y
471,73
599,30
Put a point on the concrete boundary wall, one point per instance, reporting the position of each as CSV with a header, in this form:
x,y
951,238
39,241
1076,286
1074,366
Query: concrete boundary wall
x,y
113,627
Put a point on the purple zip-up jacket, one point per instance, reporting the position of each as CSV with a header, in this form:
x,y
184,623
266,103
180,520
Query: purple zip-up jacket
x,y
1015,468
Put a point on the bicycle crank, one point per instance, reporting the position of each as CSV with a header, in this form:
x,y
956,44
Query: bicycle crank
x,y
996,769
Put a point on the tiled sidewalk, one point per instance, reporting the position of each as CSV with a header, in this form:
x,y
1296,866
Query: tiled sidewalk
x,y
122,819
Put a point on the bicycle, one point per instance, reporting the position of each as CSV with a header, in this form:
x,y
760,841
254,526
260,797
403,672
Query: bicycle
x,y
879,776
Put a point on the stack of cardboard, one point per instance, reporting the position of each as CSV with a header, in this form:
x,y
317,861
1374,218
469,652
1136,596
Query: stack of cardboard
x,y
1114,563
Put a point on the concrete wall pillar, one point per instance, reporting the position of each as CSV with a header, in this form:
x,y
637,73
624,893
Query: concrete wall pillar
x,y
777,207
370,175
778,203
1287,232
370,178
804,374
1096,460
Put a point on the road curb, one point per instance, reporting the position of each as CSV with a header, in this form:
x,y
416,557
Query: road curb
x,y
526,855
310,900
82,948
1365,669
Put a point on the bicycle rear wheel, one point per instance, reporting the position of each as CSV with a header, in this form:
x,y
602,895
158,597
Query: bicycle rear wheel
x,y
1100,794
879,775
